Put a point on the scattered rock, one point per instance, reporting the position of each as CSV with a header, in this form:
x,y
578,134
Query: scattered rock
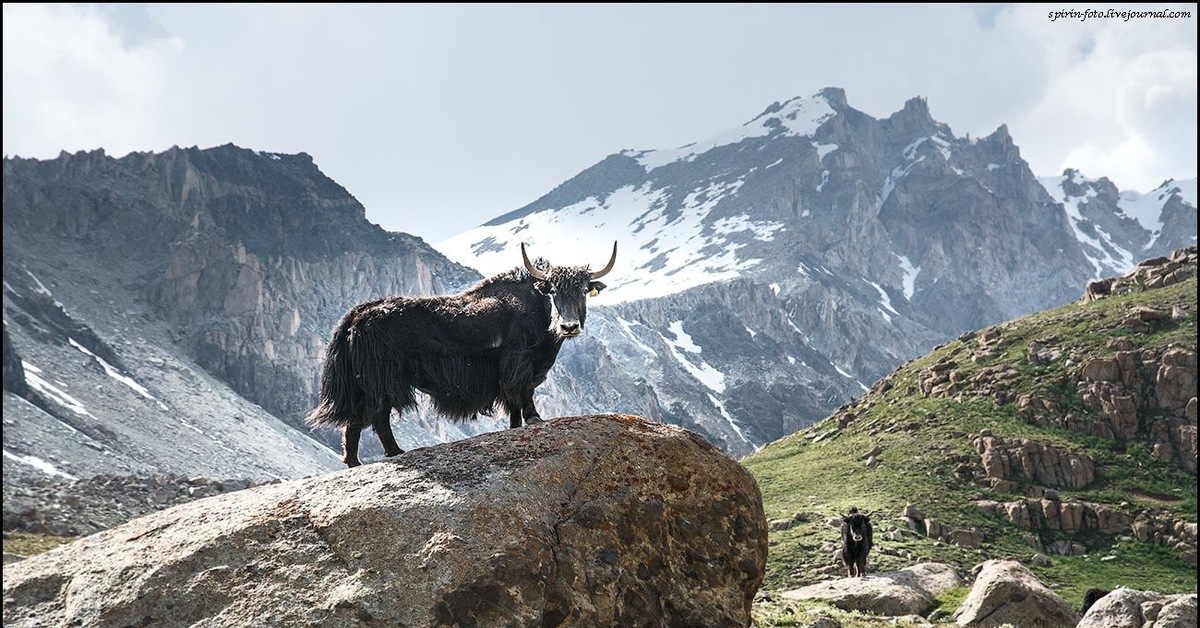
x,y
1006,592
1127,608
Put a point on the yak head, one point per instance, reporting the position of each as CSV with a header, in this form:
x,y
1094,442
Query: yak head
x,y
856,525
568,288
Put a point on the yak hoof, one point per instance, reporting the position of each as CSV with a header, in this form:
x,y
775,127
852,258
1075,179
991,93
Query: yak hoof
x,y
352,463
533,419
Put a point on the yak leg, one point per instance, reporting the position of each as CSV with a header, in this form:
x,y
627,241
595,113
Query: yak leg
x,y
528,410
522,409
350,434
383,429
514,414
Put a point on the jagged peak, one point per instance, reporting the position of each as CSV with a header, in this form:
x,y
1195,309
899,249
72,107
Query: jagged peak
x,y
835,96
917,106
1001,135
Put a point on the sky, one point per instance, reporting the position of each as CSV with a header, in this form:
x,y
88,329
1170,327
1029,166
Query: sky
x,y
440,117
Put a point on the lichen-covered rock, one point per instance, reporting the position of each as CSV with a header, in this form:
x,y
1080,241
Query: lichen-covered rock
x,y
909,591
582,521
1127,608
1006,592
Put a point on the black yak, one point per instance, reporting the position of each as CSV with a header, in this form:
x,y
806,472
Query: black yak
x,y
856,542
1091,597
490,345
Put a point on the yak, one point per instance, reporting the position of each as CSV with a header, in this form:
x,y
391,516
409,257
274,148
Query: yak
x,y
491,345
856,542
1091,597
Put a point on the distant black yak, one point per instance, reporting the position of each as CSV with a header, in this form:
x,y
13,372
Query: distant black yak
x,y
492,344
856,542
1091,597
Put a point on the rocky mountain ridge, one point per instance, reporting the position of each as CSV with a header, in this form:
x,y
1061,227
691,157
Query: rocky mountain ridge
x,y
821,245
237,261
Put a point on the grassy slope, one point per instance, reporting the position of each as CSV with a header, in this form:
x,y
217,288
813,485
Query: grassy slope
x,y
824,477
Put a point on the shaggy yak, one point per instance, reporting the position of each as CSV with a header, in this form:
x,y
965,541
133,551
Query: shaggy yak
x,y
856,542
490,345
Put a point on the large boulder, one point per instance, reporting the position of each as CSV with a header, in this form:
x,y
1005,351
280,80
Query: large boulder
x,y
582,521
1127,608
909,591
1006,592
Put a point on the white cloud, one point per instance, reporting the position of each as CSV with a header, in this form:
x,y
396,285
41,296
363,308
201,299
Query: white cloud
x,y
71,83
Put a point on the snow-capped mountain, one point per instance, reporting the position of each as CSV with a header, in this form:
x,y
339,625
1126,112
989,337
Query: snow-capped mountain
x,y
672,238
1116,229
770,273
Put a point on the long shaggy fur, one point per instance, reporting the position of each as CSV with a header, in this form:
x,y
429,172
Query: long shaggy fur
x,y
383,351
469,353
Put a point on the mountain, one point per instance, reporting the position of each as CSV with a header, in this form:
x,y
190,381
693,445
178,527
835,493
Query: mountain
x,y
1118,228
764,278
169,312
769,274
1065,439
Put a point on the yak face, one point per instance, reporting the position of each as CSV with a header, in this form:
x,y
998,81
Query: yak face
x,y
856,526
567,288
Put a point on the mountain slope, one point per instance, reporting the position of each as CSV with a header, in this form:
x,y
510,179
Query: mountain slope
x,y
228,264
1070,432
107,393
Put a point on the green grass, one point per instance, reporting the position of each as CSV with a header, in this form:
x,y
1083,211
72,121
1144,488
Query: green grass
x,y
28,543
924,439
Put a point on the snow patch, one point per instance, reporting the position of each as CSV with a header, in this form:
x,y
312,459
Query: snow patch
x,y
117,375
910,276
33,375
796,117
703,372
729,419
824,149
39,464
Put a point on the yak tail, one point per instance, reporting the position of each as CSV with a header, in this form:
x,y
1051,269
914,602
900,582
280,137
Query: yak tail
x,y
341,395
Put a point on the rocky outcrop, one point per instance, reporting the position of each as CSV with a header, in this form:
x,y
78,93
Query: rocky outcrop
x,y
1132,395
14,372
910,591
1129,608
1033,462
1005,592
583,521
1157,272
915,520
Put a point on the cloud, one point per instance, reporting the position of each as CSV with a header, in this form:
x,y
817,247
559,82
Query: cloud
x,y
1120,99
71,83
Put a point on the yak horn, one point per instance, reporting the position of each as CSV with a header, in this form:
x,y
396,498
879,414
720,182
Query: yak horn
x,y
537,274
612,260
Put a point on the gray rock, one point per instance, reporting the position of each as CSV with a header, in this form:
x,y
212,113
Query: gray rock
x,y
909,591
1128,608
582,521
1006,592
